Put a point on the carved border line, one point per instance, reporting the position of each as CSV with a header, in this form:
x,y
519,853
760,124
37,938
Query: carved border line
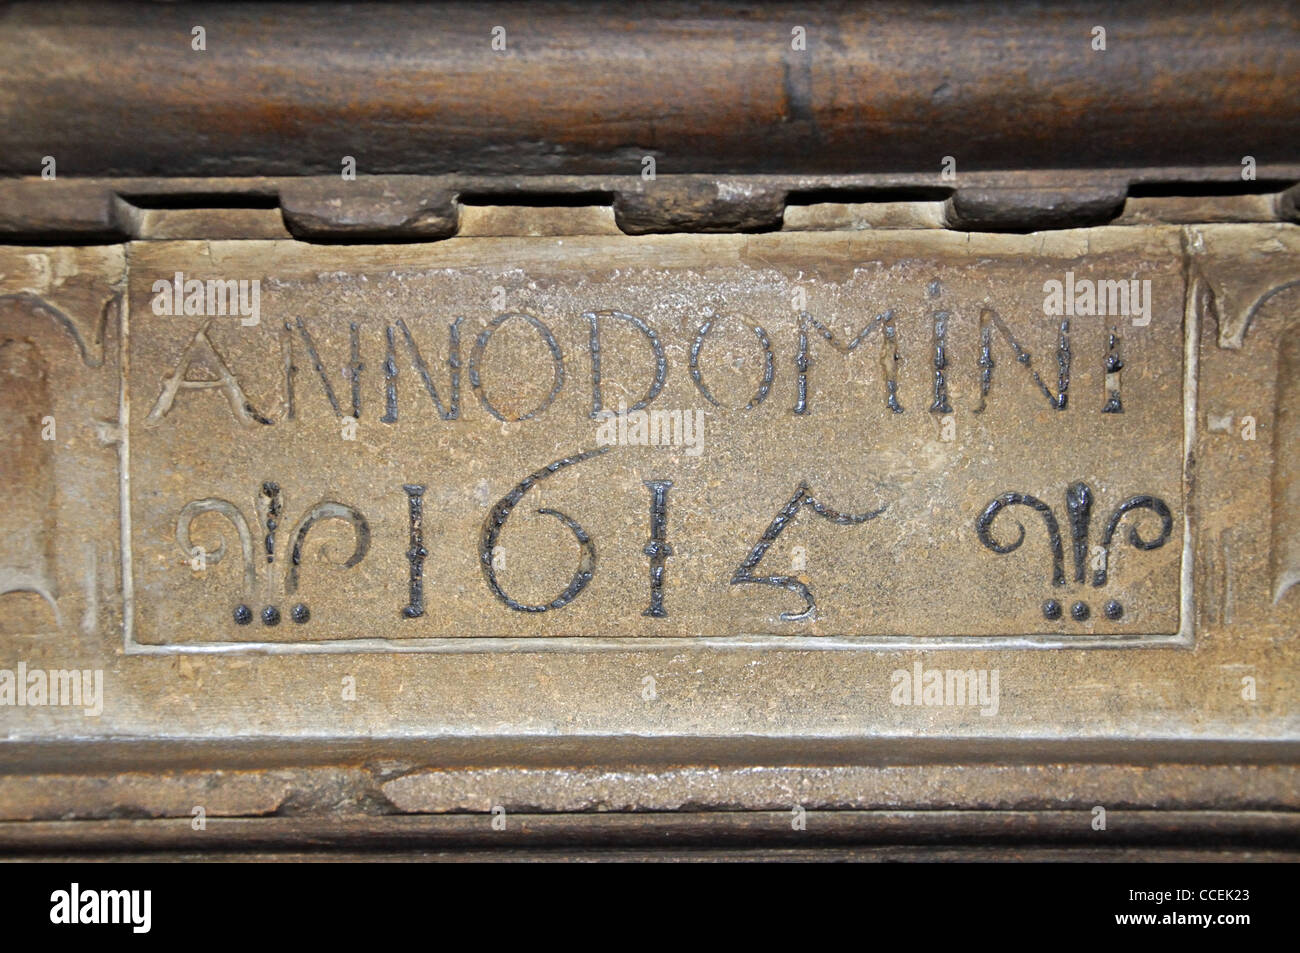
x,y
1194,295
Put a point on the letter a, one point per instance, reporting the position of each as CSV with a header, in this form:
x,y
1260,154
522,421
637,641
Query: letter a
x,y
201,350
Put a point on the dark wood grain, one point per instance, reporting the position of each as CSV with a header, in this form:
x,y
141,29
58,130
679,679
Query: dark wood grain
x,y
115,89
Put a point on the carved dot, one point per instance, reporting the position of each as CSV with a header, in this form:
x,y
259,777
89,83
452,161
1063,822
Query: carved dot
x,y
300,613
270,616
243,615
1080,611
1114,610
1051,610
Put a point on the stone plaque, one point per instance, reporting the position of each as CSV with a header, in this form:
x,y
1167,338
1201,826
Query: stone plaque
x,y
832,606
875,440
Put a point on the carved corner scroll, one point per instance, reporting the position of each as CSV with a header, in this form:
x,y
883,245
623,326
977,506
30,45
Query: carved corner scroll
x,y
1269,290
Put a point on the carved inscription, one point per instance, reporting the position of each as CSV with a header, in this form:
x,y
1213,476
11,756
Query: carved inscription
x,y
854,467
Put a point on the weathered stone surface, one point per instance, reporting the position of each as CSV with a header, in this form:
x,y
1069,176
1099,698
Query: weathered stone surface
x,y
880,395
59,391
922,787
1200,667
140,794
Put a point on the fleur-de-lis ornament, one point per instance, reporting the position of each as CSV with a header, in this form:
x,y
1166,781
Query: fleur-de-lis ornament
x,y
270,508
1078,509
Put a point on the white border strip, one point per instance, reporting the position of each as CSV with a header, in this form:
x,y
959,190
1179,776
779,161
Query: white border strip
x,y
1185,637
